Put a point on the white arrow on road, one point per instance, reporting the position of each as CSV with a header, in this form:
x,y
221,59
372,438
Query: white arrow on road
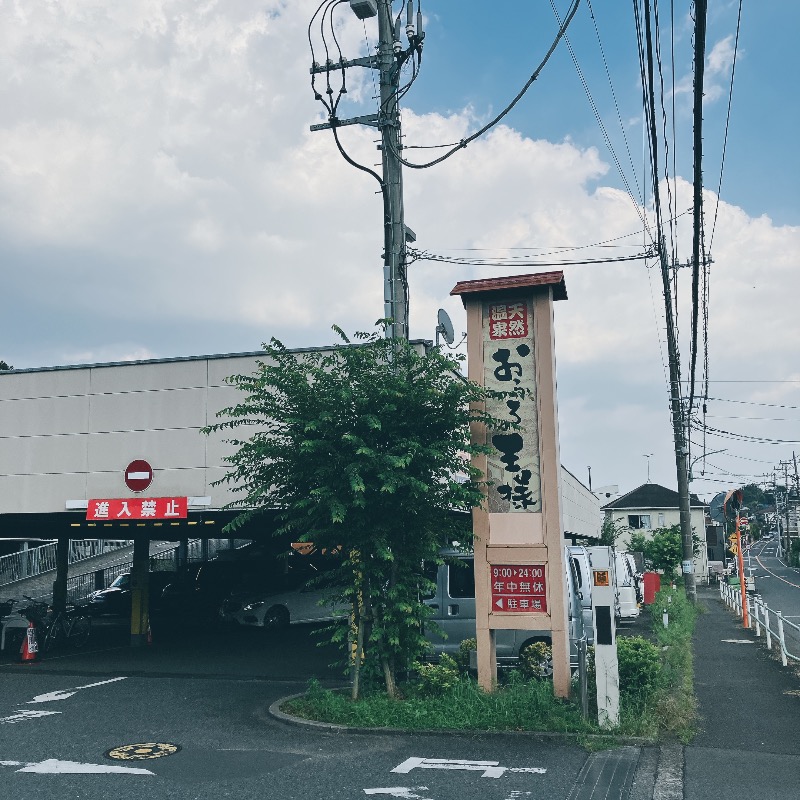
x,y
65,693
52,766
403,792
490,769
25,714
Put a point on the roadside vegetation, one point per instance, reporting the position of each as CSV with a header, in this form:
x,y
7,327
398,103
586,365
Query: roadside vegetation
x,y
657,698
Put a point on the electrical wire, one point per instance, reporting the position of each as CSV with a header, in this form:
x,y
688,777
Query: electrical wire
x,y
727,124
464,142
598,117
423,255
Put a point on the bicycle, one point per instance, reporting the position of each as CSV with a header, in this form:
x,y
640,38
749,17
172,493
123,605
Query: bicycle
x,y
71,627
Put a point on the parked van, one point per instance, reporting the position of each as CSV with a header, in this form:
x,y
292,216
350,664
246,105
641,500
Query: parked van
x,y
582,566
627,601
453,605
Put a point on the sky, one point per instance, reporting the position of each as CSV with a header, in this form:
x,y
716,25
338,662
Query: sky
x,y
161,195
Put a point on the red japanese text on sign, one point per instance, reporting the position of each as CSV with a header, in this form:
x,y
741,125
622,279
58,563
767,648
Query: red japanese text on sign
x,y
143,508
519,588
508,321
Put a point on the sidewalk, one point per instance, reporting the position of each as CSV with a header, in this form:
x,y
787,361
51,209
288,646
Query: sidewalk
x,y
749,705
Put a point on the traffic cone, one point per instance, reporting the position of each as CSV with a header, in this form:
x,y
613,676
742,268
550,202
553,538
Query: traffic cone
x,y
29,650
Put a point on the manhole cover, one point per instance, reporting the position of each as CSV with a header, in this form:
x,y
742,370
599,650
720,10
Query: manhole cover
x,y
138,752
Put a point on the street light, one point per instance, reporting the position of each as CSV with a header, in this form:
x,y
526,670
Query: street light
x,y
647,456
710,453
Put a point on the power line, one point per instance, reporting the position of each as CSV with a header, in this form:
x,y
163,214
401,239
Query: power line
x,y
423,255
464,142
727,123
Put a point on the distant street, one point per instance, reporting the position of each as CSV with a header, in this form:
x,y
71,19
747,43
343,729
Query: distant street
x,y
778,585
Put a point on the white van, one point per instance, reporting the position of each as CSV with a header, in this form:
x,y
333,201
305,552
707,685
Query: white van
x,y
627,601
453,606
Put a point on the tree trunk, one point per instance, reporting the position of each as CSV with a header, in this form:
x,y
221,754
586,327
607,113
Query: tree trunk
x,y
358,655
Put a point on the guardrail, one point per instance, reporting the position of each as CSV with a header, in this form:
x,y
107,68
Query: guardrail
x,y
79,587
36,560
761,616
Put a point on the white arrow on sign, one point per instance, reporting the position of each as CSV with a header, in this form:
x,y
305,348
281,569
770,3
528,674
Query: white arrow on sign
x,y
499,602
63,694
52,766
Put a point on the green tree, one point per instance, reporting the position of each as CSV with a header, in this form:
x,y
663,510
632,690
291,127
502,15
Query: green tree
x,y
3,365
610,531
365,448
663,549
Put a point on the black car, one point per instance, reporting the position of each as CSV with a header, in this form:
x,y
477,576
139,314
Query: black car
x,y
115,600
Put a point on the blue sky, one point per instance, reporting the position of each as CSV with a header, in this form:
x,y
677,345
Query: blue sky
x,y
161,195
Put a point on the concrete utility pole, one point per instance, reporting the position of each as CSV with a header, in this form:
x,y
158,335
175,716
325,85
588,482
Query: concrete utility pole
x,y
389,61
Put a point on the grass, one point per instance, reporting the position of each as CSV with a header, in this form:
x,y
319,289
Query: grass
x,y
665,708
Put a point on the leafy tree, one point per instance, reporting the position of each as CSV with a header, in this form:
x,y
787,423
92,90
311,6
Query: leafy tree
x,y
663,549
366,449
610,531
3,365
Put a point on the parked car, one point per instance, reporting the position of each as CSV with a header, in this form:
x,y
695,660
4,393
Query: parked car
x,y
279,610
115,599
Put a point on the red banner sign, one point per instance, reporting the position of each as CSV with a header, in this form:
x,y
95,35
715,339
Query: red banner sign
x,y
519,588
143,508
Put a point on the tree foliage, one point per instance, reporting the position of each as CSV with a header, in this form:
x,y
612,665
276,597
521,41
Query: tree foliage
x,y
3,365
365,449
663,549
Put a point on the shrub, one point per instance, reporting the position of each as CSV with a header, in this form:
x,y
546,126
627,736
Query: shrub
x,y
639,666
536,660
462,656
436,678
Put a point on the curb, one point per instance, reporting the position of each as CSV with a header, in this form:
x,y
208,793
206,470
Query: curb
x,y
275,712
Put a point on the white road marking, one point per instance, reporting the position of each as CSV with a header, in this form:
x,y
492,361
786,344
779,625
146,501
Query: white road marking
x,y
405,792
52,766
63,694
23,714
738,641
15,763
490,769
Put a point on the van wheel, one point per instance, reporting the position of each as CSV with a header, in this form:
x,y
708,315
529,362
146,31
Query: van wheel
x,y
536,659
276,619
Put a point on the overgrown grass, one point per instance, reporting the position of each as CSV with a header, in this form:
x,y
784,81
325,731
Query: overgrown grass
x,y
657,699
676,708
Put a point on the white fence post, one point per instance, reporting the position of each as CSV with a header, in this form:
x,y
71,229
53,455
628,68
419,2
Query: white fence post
x,y
766,628
756,604
781,640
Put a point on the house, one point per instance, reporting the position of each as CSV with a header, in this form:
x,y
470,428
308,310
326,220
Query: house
x,y
651,506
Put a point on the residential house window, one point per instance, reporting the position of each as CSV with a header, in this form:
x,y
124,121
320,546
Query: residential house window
x,y
661,521
639,521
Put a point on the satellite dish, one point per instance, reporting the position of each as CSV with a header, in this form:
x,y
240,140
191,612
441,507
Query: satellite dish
x,y
445,327
717,509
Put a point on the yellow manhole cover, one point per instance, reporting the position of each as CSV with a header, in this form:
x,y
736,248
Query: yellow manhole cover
x,y
138,752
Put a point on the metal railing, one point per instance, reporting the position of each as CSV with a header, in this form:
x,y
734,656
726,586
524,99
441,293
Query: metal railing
x,y
79,587
37,560
761,617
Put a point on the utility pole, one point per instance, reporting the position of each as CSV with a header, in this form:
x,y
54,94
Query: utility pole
x,y
389,61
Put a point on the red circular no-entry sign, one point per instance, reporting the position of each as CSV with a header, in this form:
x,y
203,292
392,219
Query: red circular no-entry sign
x,y
138,475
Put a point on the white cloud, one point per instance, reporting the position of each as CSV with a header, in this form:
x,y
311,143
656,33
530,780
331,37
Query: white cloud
x,y
161,195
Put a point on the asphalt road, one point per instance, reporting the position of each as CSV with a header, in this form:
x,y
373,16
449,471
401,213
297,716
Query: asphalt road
x,y
208,700
778,585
